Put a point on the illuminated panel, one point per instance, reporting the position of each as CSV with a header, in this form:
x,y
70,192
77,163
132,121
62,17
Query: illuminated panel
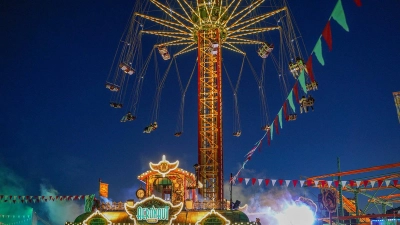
x,y
97,218
153,210
212,215
164,166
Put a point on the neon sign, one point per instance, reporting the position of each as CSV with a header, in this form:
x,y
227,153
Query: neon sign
x,y
153,214
153,210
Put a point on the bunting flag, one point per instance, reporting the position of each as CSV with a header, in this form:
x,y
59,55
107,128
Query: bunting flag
x,y
338,15
318,52
269,137
272,132
280,117
276,125
290,99
358,3
327,35
309,69
318,183
89,199
285,111
296,91
302,81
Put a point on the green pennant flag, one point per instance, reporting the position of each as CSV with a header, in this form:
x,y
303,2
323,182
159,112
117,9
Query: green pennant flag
x,y
318,52
89,202
280,118
272,131
338,15
302,80
290,98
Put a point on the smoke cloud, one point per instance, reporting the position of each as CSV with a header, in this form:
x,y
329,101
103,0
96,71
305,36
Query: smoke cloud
x,y
59,212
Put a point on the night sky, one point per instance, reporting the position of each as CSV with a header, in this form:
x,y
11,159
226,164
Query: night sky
x,y
58,130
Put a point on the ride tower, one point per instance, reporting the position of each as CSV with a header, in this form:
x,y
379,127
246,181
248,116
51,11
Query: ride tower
x,y
209,35
205,26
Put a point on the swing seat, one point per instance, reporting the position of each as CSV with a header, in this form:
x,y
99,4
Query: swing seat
x,y
178,134
116,105
292,117
237,133
112,87
130,117
126,68
265,50
164,52
309,87
266,128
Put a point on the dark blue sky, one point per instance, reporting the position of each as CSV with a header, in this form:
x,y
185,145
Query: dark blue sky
x,y
56,123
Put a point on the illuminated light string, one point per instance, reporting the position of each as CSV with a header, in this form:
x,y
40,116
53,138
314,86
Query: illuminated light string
x,y
339,16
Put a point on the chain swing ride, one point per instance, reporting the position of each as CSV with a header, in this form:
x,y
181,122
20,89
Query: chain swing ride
x,y
209,27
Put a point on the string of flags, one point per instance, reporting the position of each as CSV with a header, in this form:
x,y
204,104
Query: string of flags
x,y
37,199
317,183
339,16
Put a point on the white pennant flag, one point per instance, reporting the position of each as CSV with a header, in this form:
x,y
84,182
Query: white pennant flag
x,y
372,183
301,183
287,183
387,183
260,181
358,182
329,183
316,183
344,183
273,182
246,180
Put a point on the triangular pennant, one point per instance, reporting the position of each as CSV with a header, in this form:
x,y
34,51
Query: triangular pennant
x,y
327,35
358,3
318,52
285,111
338,15
395,182
387,183
280,182
294,183
343,183
351,182
287,183
253,181
246,180
329,183
280,117
296,92
301,183
380,183
273,182
302,81
358,182
372,183
309,183
240,179
260,181
309,68
290,99
272,132
266,182
276,125
269,137
323,183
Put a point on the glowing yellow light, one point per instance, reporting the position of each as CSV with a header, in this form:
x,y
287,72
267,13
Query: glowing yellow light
x,y
227,222
97,213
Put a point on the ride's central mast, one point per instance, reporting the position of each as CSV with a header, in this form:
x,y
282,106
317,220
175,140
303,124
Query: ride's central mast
x,y
210,152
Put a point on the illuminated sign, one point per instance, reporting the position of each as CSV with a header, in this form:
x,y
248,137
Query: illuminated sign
x,y
153,214
164,166
153,210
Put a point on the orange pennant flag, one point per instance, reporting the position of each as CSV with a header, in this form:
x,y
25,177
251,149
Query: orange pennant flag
x,y
103,191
